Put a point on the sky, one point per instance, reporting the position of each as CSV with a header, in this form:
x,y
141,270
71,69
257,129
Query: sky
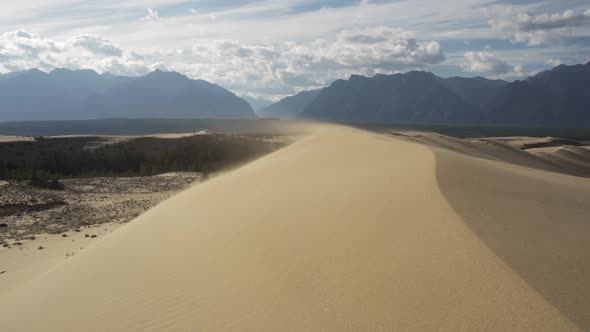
x,y
270,49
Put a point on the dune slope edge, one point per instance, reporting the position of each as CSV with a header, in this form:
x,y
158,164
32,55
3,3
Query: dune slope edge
x,y
343,230
537,222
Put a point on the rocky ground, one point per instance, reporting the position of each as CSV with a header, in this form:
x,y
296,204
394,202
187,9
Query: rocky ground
x,y
27,211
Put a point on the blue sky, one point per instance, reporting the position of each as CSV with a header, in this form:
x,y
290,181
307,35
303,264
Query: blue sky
x,y
269,49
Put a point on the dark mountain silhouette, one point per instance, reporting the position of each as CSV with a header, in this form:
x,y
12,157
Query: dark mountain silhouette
x,y
476,91
419,97
559,97
169,95
290,107
84,94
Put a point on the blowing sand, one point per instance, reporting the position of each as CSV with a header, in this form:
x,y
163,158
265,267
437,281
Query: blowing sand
x,y
343,230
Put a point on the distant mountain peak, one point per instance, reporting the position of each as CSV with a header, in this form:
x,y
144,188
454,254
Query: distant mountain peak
x,y
108,75
60,70
416,96
64,72
356,77
290,107
420,73
34,71
66,94
166,74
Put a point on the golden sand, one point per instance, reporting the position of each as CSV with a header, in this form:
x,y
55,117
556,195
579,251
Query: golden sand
x,y
343,230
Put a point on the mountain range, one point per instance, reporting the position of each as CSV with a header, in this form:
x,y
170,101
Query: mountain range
x,y
559,97
84,94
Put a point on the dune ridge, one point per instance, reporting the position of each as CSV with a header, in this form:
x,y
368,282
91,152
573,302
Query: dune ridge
x,y
536,221
342,230
550,154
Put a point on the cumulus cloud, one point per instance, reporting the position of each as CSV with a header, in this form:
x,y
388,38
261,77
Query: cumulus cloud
x,y
21,50
534,30
520,72
489,64
22,44
97,45
382,48
152,15
272,69
264,69
485,63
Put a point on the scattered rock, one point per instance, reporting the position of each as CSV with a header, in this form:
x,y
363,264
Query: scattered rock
x,y
6,245
94,235
33,211
64,235
41,248
2,272
17,243
86,235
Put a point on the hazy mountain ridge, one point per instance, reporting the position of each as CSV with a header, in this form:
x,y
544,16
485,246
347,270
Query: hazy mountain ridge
x,y
84,94
169,95
257,103
559,97
556,97
477,91
412,97
290,107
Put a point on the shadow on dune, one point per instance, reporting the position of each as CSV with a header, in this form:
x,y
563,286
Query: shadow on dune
x,y
537,222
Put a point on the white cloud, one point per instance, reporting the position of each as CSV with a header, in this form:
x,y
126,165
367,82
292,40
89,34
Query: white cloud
x,y
22,44
553,62
152,15
534,30
97,45
381,48
489,64
264,69
20,50
485,63
270,48
270,69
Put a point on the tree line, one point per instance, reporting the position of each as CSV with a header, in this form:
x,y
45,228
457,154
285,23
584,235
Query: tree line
x,y
137,157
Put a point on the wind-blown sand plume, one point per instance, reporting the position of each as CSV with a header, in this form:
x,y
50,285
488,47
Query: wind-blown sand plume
x,y
343,230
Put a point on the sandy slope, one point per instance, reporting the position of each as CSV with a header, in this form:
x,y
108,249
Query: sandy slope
x,y
537,222
27,261
549,154
342,231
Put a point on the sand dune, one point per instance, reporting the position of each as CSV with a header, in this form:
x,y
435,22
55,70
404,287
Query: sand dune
x,y
550,154
343,230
